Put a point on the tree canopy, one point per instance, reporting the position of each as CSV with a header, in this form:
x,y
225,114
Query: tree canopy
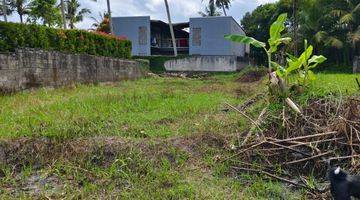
x,y
332,26
45,11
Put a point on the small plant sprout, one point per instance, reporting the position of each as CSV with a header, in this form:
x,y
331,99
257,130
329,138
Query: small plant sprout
x,y
303,65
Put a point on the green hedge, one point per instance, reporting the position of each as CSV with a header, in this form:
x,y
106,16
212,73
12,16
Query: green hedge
x,y
14,35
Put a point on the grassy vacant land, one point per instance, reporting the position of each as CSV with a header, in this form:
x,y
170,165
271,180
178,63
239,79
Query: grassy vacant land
x,y
153,107
155,138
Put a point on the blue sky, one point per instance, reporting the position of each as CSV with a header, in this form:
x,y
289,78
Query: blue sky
x,y
181,9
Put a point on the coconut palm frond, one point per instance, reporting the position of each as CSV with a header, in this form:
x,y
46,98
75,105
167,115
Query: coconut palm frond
x,y
334,42
348,18
84,11
354,37
337,13
321,36
73,12
223,3
357,8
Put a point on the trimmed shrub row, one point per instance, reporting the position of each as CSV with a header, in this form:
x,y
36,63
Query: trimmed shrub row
x,y
14,35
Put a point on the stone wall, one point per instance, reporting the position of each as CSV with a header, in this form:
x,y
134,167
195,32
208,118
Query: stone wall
x,y
206,64
356,65
28,68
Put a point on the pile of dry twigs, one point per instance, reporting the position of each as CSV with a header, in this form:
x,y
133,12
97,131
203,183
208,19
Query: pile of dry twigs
x,y
299,145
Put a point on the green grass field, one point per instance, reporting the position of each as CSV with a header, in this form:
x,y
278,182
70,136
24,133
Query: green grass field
x,y
154,107
164,136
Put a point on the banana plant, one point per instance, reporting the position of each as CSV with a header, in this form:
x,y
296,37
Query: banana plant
x,y
275,40
278,75
303,65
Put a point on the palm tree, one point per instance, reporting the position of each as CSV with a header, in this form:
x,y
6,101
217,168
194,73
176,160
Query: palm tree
x,y
5,10
348,19
213,4
210,10
21,7
62,8
224,4
171,27
311,17
110,19
295,26
102,24
73,14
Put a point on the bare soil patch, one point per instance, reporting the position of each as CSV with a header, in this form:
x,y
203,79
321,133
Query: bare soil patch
x,y
102,151
252,76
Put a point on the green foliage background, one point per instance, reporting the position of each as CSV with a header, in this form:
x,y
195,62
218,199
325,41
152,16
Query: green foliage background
x,y
332,27
13,36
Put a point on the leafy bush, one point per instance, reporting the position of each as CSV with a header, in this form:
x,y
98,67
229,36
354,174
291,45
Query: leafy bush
x,y
279,74
13,36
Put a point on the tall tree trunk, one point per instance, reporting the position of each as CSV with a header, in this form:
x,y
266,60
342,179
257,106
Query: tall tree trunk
x,y
295,27
224,9
171,28
110,19
21,18
4,10
71,25
63,14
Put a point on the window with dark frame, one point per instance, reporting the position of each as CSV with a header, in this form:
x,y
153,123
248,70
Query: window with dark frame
x,y
196,40
143,35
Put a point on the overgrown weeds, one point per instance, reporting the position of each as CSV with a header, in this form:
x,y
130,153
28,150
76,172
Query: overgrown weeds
x,y
137,161
326,133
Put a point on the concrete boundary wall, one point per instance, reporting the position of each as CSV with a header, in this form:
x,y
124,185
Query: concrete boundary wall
x,y
206,64
29,68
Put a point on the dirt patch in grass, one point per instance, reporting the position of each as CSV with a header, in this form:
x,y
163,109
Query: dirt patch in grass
x,y
48,167
252,76
102,151
165,121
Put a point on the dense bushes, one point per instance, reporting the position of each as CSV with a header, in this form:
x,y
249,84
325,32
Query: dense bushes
x,y
13,36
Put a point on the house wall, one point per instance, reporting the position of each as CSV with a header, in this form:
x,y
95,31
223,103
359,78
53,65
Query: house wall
x,y
29,68
213,30
130,28
206,64
237,48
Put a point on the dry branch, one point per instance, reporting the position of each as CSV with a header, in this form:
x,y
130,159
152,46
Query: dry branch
x,y
274,176
245,115
307,137
307,159
307,142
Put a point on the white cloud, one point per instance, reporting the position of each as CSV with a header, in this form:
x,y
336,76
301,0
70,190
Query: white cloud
x,y
265,1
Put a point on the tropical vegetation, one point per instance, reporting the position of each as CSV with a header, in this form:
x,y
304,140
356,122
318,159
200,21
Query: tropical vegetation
x,y
102,24
279,83
73,12
331,26
21,7
45,12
